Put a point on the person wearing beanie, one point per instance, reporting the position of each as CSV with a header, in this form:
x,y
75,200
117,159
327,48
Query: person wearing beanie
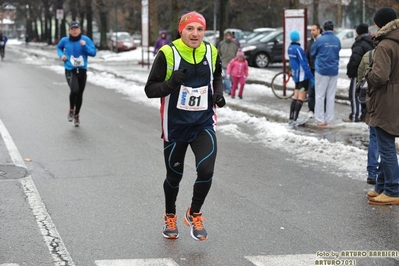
x,y
294,36
237,69
382,105
74,51
363,43
325,51
362,28
384,15
187,77
227,51
301,74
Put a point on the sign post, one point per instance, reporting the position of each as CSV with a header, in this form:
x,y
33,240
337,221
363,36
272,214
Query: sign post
x,y
59,16
294,19
145,31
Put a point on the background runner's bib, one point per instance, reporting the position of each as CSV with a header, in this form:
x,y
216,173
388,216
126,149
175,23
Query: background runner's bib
x,y
1,43
76,61
193,99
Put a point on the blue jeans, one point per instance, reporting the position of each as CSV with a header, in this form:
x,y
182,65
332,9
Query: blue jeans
x,y
372,155
388,177
226,82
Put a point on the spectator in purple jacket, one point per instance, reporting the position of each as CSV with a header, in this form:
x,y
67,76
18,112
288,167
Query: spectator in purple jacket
x,y
161,41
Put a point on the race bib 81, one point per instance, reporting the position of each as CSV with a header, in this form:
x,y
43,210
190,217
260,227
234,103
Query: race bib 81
x,y
193,99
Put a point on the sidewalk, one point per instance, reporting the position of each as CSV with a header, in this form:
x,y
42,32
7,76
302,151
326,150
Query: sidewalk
x,y
258,97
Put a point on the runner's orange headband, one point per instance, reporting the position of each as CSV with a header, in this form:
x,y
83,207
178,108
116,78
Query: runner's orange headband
x,y
191,17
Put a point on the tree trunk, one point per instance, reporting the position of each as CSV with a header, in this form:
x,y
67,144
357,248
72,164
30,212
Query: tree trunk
x,y
316,12
103,14
89,18
339,14
223,17
154,24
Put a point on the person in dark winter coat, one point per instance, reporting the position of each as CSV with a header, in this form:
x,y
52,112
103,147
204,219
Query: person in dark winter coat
x,y
382,105
363,43
227,51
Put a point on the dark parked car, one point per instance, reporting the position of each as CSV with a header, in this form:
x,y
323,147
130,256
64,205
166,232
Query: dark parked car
x,y
261,52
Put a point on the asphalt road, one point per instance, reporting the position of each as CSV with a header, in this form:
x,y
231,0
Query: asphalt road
x,y
93,195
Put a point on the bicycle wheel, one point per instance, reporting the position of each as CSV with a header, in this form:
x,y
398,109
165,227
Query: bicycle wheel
x,y
283,85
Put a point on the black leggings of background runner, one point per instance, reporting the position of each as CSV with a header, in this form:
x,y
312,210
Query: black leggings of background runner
x,y
77,82
204,148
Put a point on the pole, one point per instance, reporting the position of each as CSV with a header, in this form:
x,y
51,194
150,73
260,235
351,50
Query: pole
x,y
364,12
116,27
214,16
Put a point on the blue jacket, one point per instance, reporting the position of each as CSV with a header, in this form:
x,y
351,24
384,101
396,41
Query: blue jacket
x,y
3,41
75,49
325,50
299,63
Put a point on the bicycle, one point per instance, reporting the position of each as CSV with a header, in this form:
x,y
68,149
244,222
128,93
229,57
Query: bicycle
x,y
283,85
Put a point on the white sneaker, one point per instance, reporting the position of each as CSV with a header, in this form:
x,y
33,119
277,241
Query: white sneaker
x,y
310,114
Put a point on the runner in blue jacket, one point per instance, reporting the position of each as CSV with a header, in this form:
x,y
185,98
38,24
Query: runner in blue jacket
x,y
300,72
3,41
73,50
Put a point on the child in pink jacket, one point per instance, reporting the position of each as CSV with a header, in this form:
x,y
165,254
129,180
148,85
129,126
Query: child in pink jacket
x,y
238,69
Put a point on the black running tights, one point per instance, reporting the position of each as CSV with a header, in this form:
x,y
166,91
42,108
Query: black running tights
x,y
204,148
77,82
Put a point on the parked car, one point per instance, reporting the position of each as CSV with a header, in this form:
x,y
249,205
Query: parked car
x,y
347,37
121,41
373,30
211,36
256,32
261,52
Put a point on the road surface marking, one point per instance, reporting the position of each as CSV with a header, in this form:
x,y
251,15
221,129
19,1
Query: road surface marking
x,y
284,260
137,262
49,232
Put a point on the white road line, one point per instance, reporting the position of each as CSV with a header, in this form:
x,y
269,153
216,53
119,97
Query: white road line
x,y
49,232
9,264
284,260
137,262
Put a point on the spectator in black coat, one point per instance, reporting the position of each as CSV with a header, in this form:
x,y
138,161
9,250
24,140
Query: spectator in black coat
x,y
363,43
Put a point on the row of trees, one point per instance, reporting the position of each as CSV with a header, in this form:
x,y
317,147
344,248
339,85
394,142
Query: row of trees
x,y
104,16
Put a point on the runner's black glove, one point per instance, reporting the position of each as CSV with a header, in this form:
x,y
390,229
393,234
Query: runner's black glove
x,y
219,99
177,78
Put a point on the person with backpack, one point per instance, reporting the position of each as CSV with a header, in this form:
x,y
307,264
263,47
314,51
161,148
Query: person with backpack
x,y
372,149
363,43
382,105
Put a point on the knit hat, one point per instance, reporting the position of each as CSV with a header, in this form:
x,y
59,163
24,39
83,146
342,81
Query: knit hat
x,y
189,18
294,36
328,25
384,15
362,29
240,54
74,24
